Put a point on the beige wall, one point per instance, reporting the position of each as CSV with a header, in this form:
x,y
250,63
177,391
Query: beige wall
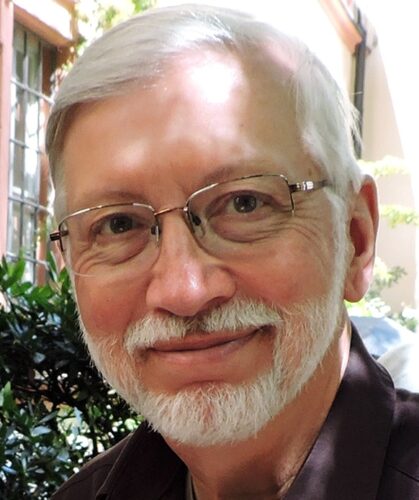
x,y
395,246
391,108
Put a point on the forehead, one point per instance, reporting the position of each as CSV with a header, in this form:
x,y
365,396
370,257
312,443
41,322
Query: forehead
x,y
207,112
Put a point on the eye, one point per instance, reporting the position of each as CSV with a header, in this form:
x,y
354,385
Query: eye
x,y
120,224
245,203
239,204
114,224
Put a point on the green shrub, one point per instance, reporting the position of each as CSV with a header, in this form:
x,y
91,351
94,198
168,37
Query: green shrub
x,y
55,410
385,277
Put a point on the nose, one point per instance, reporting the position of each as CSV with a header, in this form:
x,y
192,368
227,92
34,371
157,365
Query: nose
x,y
185,280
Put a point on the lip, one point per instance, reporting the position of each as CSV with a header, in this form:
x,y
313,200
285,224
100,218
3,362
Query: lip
x,y
202,348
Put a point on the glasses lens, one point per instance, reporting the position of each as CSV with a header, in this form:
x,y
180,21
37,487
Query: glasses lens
x,y
243,210
101,238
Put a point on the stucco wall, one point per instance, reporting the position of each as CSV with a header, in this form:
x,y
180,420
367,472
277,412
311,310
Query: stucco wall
x,y
391,108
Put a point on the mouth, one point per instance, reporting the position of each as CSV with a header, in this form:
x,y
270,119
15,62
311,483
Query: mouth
x,y
205,346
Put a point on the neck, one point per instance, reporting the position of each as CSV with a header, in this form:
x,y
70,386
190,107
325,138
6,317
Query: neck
x,y
265,466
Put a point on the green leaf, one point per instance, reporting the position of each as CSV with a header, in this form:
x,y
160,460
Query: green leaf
x,y
18,269
389,165
6,398
48,417
398,214
8,470
40,430
38,357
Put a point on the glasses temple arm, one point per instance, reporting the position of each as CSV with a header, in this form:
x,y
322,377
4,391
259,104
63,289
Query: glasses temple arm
x,y
308,185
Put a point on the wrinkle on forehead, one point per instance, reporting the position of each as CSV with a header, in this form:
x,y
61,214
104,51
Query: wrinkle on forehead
x,y
210,110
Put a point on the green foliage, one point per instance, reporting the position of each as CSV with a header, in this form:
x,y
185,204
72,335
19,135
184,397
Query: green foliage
x,y
399,214
372,303
394,214
97,16
384,277
408,317
55,410
389,165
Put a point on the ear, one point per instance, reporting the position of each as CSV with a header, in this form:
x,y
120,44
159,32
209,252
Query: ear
x,y
363,221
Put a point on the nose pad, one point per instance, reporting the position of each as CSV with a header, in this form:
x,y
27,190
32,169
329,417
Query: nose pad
x,y
184,279
196,224
195,220
155,231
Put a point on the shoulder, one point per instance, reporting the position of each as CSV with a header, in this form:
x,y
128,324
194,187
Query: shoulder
x,y
402,362
404,442
401,467
142,459
86,483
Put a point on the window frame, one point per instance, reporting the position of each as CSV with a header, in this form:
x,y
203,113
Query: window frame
x,y
21,198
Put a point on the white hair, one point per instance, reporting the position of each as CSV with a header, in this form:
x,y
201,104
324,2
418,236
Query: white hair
x,y
137,52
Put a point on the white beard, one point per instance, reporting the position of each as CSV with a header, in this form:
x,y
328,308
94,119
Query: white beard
x,y
220,413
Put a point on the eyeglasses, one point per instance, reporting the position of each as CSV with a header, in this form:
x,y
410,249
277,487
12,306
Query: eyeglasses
x,y
224,217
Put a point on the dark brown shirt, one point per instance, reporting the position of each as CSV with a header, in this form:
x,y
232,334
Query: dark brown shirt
x,y
368,448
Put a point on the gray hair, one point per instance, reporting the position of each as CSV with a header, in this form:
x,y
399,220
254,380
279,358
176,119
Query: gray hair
x,y
137,51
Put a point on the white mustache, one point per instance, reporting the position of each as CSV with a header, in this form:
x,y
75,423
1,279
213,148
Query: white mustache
x,y
233,316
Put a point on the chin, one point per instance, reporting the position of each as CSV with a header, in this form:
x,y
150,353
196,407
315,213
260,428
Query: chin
x,y
221,413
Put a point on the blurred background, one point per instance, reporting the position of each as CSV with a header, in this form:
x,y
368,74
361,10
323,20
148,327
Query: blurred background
x,y
55,411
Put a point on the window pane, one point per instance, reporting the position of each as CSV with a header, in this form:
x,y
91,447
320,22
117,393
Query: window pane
x,y
29,273
44,109
18,115
31,175
48,68
34,63
29,231
18,54
17,154
33,67
32,121
13,228
13,109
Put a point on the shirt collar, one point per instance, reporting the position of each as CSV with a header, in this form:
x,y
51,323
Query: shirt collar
x,y
146,467
345,462
347,458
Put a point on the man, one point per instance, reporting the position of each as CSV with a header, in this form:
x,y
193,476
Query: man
x,y
213,219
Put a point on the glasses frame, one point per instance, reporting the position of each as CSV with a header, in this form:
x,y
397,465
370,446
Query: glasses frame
x,y
297,187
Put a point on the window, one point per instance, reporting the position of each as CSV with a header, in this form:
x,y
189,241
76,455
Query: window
x,y
33,65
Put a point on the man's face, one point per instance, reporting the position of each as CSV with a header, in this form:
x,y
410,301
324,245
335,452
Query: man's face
x,y
209,119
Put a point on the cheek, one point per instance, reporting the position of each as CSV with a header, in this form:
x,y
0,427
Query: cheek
x,y
290,275
108,308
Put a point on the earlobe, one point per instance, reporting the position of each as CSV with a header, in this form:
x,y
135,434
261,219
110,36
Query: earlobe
x,y
362,232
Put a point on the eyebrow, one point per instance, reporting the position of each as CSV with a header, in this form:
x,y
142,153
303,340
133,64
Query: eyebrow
x,y
219,174
109,196
238,169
